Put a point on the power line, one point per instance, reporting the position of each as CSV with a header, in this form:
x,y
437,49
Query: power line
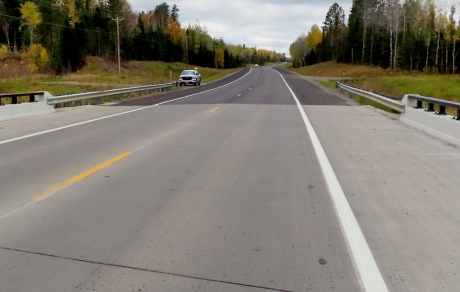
x,y
76,28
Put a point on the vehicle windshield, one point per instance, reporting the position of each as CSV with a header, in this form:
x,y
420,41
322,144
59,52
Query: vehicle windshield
x,y
188,72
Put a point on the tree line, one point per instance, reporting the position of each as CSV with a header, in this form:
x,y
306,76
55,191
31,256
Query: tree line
x,y
69,30
412,35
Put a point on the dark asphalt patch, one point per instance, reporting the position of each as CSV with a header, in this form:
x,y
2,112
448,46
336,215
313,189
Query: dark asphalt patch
x,y
307,93
154,99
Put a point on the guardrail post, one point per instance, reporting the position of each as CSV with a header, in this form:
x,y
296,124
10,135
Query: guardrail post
x,y
120,96
442,110
430,107
111,97
419,104
458,115
32,98
14,99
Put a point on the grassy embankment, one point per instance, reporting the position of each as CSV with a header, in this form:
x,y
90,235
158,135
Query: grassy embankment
x,y
99,74
393,83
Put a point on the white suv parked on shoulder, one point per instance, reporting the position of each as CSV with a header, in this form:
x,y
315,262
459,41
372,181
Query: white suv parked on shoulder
x,y
189,77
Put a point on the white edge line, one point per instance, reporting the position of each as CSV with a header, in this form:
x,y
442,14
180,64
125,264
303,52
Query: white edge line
x,y
368,270
114,115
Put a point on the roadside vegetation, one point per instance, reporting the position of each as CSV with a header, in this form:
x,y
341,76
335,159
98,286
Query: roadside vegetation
x,y
389,82
391,47
71,46
98,74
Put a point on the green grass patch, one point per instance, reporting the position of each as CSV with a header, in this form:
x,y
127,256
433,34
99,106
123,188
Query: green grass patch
x,y
330,84
438,86
285,66
334,69
388,82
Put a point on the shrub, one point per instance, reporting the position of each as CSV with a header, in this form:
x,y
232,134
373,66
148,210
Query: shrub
x,y
36,58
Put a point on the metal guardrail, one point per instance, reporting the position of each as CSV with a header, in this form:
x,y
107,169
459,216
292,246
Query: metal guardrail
x,y
14,96
113,93
434,101
387,101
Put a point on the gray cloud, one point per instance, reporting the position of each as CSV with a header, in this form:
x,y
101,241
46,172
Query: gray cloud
x,y
267,24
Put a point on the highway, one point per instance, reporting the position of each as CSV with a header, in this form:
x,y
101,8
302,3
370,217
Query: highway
x,y
261,181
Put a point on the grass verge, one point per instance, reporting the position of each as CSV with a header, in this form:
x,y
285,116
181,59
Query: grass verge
x,y
330,84
393,83
100,74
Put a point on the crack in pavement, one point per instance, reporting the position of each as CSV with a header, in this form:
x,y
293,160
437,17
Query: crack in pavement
x,y
145,270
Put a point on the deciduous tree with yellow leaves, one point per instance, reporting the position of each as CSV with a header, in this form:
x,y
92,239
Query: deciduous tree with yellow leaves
x,y
32,17
174,29
220,58
314,37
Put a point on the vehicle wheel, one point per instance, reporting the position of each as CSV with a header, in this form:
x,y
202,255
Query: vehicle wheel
x,y
196,83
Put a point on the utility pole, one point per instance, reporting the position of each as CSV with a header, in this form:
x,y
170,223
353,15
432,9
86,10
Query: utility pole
x,y
186,48
118,38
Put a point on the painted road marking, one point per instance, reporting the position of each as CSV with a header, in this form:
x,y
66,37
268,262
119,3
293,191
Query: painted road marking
x,y
213,110
239,95
365,264
80,176
114,115
250,88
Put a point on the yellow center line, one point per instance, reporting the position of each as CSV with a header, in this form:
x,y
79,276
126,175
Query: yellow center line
x,y
213,110
80,176
239,95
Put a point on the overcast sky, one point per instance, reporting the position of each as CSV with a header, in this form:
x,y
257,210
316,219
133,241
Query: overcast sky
x,y
268,24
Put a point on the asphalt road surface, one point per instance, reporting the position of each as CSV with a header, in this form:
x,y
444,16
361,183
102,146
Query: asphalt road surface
x,y
257,182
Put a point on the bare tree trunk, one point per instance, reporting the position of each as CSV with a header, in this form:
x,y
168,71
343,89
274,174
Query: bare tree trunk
x,y
391,47
6,29
395,52
390,28
372,44
447,57
404,32
437,51
364,42
396,41
453,59
427,52
411,63
15,48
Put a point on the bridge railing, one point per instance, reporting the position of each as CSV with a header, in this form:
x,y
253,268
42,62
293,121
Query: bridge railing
x,y
14,97
417,102
428,104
